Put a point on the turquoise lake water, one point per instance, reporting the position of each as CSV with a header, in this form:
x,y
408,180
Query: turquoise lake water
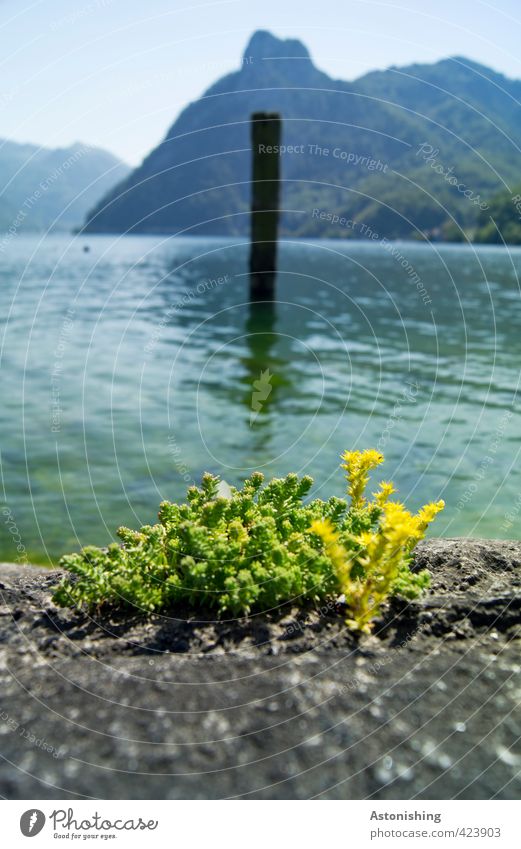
x,y
129,369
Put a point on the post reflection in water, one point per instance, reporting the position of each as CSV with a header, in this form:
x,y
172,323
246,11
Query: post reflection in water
x,y
264,371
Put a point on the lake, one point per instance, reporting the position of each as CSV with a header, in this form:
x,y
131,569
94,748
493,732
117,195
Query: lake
x,y
129,370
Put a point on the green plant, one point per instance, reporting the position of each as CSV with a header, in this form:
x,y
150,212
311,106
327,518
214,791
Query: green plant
x,y
258,549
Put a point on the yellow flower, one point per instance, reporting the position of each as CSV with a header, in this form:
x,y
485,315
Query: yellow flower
x,y
429,512
386,490
384,549
334,549
366,538
357,465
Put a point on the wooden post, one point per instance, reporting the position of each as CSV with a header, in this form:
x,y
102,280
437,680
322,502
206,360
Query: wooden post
x,y
265,135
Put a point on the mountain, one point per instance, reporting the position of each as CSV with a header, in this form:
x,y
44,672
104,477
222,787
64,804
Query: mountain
x,y
45,189
399,151
501,222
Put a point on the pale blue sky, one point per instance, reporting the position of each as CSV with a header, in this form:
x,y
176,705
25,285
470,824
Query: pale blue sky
x,y
115,73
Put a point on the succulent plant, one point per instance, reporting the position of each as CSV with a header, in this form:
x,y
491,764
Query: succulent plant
x,y
259,548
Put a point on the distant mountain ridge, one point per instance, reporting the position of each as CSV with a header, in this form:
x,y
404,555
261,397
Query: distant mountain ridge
x,y
444,134
42,188
501,222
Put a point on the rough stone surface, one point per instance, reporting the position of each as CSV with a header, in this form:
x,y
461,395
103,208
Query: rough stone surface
x,y
284,706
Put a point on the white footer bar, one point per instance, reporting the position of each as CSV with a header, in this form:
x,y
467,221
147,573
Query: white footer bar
x,y
260,825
